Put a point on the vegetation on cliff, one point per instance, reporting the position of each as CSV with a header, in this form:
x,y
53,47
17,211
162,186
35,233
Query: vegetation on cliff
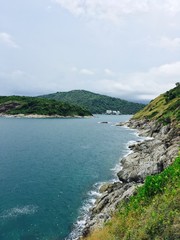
x,y
165,108
152,213
29,105
96,103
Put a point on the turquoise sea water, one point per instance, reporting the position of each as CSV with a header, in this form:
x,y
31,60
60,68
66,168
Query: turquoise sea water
x,y
49,167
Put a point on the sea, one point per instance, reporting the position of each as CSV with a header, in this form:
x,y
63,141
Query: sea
x,y
51,170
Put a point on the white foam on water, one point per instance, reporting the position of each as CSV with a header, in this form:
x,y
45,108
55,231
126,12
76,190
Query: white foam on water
x,y
84,212
131,142
94,194
19,211
116,169
149,138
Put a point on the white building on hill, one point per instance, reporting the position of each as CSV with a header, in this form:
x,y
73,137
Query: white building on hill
x,y
112,112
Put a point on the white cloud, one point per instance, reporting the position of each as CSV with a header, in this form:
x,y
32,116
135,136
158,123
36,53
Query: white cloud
x,y
109,72
74,69
8,40
18,82
172,6
86,71
14,75
113,10
167,70
142,85
137,86
167,43
18,73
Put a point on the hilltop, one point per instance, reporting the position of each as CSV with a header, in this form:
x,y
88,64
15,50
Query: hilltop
x,y
96,103
165,108
144,203
14,105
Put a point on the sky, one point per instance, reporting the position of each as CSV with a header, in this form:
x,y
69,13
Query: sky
x,y
123,48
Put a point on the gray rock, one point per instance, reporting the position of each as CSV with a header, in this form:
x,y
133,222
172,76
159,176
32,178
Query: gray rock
x,y
147,158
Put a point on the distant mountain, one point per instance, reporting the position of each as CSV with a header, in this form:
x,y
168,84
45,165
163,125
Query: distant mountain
x,y
13,105
96,103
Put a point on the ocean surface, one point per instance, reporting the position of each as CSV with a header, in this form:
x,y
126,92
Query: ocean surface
x,y
50,170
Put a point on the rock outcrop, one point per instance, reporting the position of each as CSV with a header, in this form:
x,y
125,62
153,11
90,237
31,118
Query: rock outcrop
x,y
148,157
151,156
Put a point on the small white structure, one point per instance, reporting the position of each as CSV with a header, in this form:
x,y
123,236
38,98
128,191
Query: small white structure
x,y
108,111
112,112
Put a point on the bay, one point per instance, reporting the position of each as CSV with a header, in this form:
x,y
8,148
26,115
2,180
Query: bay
x,y
47,169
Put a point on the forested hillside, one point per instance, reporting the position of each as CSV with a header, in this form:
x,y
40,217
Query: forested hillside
x,y
29,105
96,103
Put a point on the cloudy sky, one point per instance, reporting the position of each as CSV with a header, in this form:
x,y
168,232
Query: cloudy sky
x,y
124,48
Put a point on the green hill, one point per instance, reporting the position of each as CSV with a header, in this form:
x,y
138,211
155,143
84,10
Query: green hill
x,y
96,103
165,108
31,105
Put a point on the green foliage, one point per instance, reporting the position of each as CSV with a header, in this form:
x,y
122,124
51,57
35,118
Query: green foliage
x,y
157,184
96,103
161,186
32,105
165,108
175,92
152,214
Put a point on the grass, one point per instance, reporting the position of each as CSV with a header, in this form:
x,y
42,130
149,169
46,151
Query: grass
x,y
152,214
165,108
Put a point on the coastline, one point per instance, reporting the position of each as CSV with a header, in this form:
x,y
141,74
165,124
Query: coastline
x,y
96,193
39,116
150,156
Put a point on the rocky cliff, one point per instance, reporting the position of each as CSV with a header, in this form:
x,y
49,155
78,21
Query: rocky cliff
x,y
148,157
158,123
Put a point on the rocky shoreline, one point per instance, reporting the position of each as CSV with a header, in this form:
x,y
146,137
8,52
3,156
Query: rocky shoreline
x,y
39,116
148,157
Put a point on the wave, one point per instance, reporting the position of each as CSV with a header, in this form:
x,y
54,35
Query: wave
x,y
19,211
84,212
94,194
125,152
135,132
115,170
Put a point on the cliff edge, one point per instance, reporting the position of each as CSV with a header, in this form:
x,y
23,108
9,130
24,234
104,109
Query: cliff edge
x,y
159,124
